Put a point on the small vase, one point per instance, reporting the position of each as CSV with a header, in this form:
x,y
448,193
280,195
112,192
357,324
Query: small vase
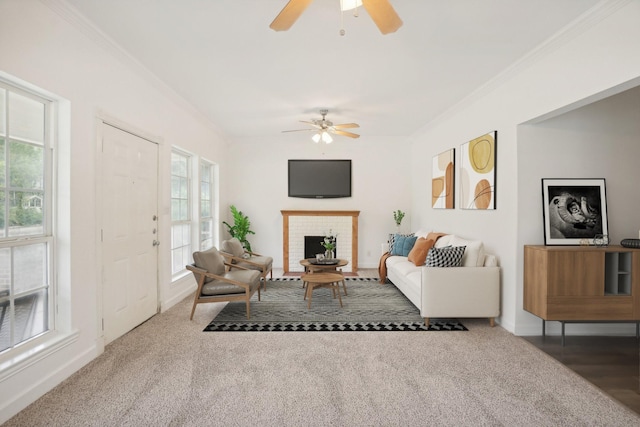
x,y
328,254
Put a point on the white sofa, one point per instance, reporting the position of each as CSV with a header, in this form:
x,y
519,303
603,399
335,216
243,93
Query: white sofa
x,y
472,290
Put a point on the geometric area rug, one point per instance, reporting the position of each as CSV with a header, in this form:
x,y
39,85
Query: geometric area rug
x,y
369,306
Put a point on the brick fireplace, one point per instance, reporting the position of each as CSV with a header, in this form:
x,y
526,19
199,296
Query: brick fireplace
x,y
298,224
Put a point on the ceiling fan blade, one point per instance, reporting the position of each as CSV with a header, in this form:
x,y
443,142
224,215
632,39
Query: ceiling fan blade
x,y
298,130
314,124
346,126
345,133
289,14
383,14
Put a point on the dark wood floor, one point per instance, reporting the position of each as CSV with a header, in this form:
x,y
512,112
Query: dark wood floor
x,y
610,363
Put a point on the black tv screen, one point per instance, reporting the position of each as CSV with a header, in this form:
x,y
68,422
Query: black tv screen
x,y
319,179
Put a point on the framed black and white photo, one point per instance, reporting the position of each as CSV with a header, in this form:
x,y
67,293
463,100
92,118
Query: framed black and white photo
x,y
574,210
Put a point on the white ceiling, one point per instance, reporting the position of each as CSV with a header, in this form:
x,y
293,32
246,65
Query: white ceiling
x,y
250,81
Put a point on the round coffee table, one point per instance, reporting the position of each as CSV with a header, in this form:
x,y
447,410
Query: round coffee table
x,y
322,280
310,267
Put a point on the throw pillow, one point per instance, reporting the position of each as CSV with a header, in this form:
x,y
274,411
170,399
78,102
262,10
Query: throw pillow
x,y
474,252
450,256
418,254
392,240
403,245
209,260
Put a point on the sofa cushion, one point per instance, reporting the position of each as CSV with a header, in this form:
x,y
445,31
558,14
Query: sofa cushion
x,y
443,241
392,240
450,256
421,233
474,252
418,254
403,244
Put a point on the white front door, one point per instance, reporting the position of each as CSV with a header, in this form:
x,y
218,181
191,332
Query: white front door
x,y
129,231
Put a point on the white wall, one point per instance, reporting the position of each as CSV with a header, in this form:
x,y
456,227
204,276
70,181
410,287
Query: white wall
x,y
380,185
600,140
588,60
40,47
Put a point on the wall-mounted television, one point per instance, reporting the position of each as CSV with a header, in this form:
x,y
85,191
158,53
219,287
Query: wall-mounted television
x,y
319,179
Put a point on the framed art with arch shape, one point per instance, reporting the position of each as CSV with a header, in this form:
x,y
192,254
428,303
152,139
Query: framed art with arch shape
x,y
574,210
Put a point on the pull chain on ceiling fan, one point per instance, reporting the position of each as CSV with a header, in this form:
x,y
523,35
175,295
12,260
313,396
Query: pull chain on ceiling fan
x,y
323,128
380,11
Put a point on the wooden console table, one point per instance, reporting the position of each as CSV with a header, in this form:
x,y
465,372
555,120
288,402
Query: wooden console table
x,y
582,284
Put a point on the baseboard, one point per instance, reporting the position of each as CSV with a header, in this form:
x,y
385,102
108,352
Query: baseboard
x,y
39,388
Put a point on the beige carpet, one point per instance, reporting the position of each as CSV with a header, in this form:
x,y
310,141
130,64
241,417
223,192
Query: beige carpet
x,y
169,372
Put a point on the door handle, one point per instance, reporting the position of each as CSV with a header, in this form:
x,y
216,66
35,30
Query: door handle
x,y
156,243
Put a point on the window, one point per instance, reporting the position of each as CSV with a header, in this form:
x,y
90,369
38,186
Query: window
x,y
180,211
26,237
207,207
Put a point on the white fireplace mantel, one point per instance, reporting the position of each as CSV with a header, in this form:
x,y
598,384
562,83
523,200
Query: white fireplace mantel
x,y
324,216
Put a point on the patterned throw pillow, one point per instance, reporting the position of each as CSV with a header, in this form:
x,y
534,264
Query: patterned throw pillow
x,y
450,256
392,240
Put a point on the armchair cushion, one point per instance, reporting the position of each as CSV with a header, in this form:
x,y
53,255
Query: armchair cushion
x,y
233,247
209,260
258,262
221,287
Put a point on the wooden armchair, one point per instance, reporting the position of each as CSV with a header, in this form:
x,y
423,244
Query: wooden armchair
x,y
217,282
238,256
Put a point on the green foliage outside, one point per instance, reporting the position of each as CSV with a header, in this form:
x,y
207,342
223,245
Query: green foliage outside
x,y
25,184
240,228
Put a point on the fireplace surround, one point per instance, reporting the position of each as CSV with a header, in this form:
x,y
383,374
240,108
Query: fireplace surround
x,y
299,223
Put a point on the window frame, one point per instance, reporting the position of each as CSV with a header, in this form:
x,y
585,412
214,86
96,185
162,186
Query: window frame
x,y
17,351
213,204
182,222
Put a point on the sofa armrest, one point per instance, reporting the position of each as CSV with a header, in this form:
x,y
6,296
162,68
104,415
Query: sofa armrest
x,y
460,292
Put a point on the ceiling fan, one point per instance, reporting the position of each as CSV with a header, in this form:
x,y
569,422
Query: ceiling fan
x,y
323,127
381,11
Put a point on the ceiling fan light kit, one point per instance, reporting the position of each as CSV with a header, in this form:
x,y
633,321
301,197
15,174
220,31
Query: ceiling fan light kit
x,y
326,138
323,128
380,11
349,4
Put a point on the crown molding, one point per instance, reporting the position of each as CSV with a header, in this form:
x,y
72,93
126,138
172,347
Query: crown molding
x,y
89,29
578,26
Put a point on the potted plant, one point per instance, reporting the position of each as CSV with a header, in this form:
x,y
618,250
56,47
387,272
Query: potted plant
x,y
240,228
397,217
329,244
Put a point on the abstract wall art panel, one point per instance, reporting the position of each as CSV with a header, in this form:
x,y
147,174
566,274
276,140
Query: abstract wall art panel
x,y
478,172
442,180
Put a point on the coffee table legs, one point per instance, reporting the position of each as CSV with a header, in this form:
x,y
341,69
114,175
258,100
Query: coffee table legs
x,y
334,286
